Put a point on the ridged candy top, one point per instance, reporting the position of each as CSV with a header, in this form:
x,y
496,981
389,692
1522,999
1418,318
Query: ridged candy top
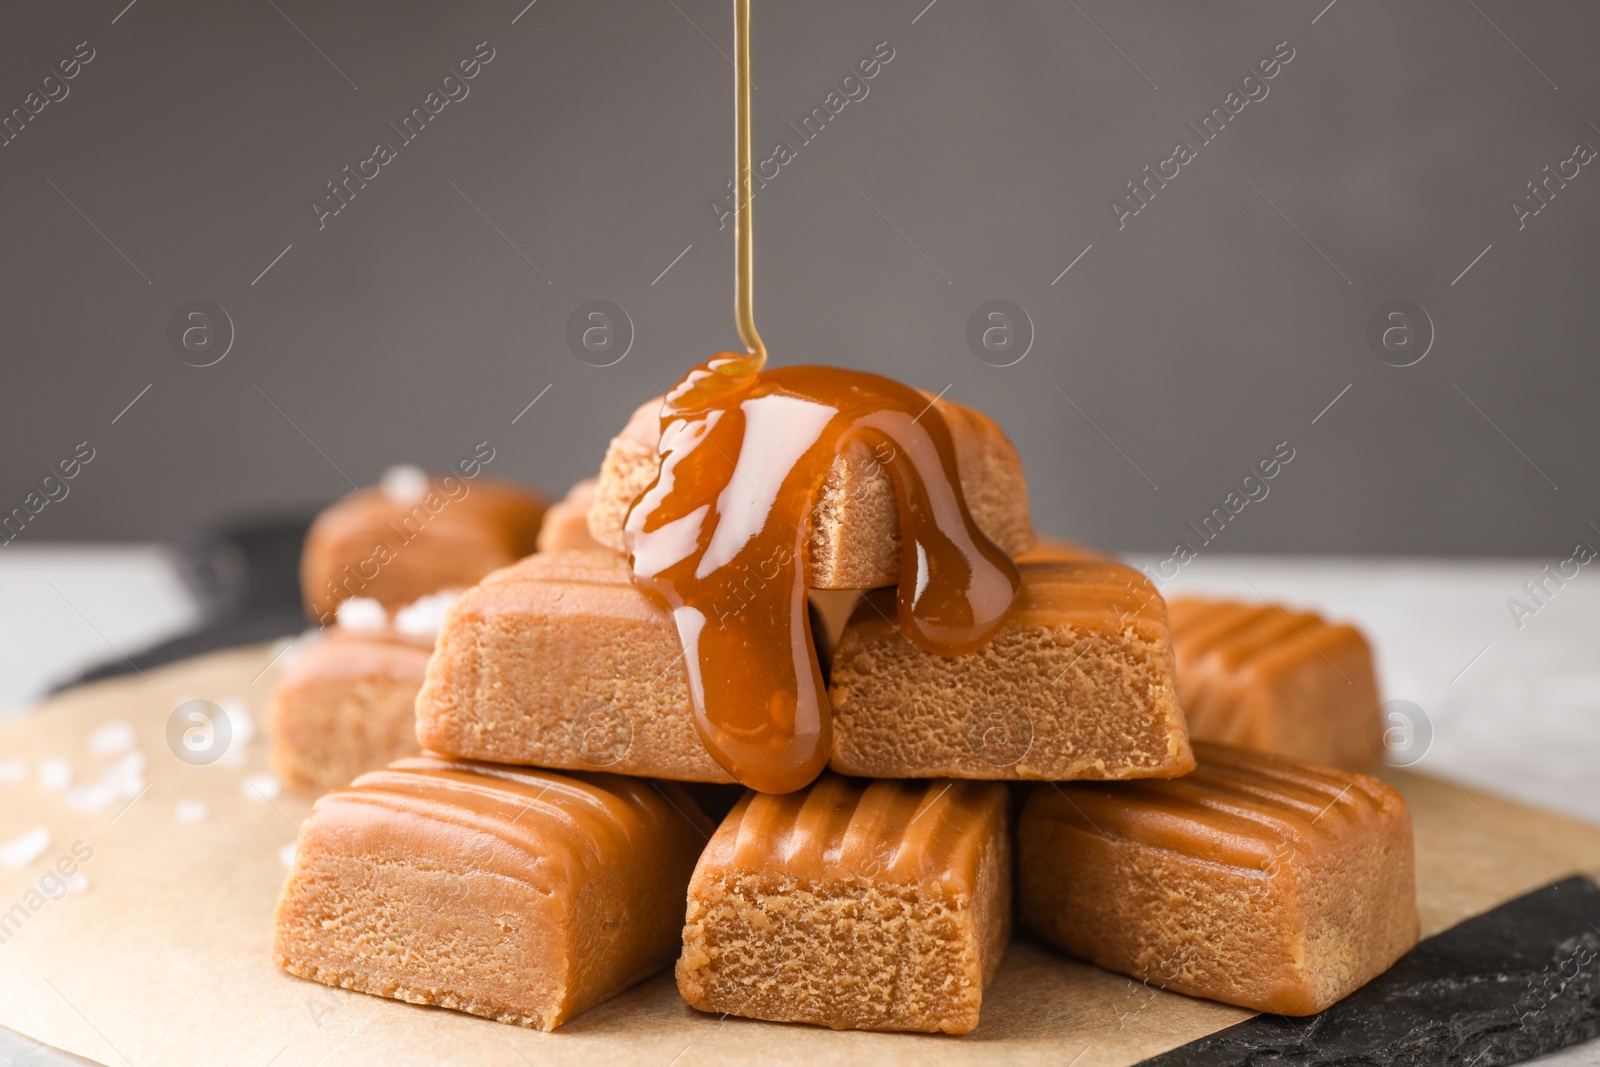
x,y
1240,808
906,831
348,654
593,582
1234,635
576,823
1098,594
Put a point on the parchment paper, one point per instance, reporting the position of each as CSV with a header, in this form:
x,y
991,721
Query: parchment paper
x,y
164,958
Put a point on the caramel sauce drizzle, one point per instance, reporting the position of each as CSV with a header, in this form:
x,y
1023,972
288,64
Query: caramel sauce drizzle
x,y
744,453
742,462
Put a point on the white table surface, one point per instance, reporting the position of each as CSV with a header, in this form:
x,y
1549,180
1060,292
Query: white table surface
x,y
1512,710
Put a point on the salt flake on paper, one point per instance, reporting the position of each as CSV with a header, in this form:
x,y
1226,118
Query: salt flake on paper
x,y
21,851
261,787
112,738
191,811
55,774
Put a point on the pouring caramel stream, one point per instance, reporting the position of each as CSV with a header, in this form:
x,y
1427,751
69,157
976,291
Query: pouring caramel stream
x,y
721,537
721,534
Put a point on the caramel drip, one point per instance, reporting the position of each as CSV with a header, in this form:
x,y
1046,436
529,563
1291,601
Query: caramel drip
x,y
721,534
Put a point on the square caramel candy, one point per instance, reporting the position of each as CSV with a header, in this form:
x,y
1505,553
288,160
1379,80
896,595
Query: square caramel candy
x,y
560,661
1078,683
566,524
345,705
1257,880
855,905
415,535
521,895
1270,678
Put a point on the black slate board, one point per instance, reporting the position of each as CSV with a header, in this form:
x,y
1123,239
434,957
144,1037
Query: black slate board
x,y
244,576
1509,985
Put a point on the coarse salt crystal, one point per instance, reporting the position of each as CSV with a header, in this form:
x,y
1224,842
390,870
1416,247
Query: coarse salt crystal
x,y
55,774
286,854
241,724
126,776
21,851
54,886
189,811
404,483
109,739
261,787
424,616
93,796
362,613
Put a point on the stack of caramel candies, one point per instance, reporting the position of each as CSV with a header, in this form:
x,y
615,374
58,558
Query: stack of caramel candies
x,y
818,757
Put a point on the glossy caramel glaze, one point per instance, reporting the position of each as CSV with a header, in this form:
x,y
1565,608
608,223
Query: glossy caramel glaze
x,y
906,831
743,456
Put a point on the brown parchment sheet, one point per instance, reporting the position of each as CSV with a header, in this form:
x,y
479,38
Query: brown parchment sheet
x,y
164,957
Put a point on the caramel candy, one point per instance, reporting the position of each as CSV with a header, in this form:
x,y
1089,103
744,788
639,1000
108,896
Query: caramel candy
x,y
856,905
560,661
520,895
566,524
345,705
855,526
415,536
1078,683
1258,880
1055,550
1264,677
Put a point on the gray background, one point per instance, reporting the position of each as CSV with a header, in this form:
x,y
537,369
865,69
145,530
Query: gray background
x,y
1190,343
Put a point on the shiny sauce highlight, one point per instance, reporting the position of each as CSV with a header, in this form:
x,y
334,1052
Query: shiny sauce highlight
x,y
721,537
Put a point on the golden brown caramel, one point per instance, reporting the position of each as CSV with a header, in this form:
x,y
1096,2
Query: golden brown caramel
x,y
1078,683
855,905
1278,680
521,895
1257,880
394,550
345,705
1057,550
560,660
742,458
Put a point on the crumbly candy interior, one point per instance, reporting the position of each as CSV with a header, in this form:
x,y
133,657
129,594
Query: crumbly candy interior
x,y
1046,704
849,954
